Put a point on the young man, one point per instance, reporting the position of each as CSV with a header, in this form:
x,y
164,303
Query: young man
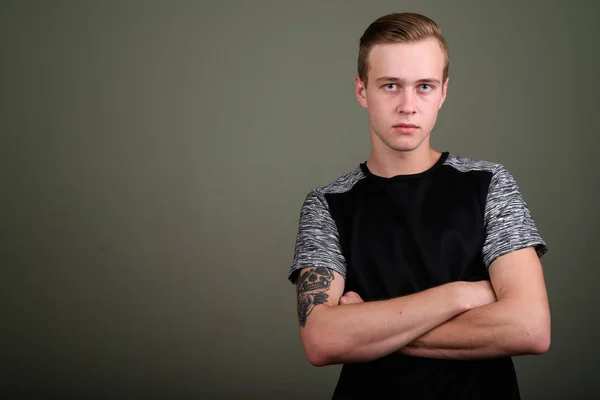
x,y
419,271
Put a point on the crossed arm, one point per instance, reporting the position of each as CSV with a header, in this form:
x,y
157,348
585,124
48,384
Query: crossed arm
x,y
462,320
517,324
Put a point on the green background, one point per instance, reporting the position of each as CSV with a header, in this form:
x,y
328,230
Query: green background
x,y
155,155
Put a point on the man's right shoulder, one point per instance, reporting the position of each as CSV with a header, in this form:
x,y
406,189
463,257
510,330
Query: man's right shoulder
x,y
342,184
317,240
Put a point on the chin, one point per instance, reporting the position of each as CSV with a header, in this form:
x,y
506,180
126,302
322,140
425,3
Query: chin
x,y
404,145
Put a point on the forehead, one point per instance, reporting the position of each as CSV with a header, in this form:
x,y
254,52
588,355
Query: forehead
x,y
410,61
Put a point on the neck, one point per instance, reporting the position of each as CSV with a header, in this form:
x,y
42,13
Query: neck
x,y
388,163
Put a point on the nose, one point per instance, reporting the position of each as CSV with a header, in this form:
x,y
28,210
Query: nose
x,y
406,103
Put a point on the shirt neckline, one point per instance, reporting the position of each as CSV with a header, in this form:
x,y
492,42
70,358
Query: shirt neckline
x,y
438,163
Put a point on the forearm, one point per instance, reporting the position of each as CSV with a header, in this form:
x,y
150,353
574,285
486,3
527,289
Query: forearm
x,y
504,328
367,331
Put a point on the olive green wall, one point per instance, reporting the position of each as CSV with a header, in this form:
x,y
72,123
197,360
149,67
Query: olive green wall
x,y
155,154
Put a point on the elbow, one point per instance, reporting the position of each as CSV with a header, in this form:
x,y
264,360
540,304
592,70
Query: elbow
x,y
537,337
321,352
318,355
319,348
540,343
316,358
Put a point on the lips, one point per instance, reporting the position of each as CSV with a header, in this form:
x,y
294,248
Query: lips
x,y
405,128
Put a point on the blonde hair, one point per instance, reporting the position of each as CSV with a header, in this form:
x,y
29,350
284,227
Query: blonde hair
x,y
398,28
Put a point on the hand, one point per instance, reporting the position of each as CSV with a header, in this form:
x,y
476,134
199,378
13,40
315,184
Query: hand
x,y
480,293
351,298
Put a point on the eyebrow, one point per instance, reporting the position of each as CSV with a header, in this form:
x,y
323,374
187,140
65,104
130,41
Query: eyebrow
x,y
394,79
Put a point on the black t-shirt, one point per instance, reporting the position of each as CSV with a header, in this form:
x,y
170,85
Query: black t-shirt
x,y
391,237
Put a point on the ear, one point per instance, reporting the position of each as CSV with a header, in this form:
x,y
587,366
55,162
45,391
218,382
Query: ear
x,y
444,92
360,90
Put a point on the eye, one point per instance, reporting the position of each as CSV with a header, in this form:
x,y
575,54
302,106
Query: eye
x,y
389,86
425,87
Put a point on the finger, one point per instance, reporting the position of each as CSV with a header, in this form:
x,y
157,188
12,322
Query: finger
x,y
356,296
348,300
352,298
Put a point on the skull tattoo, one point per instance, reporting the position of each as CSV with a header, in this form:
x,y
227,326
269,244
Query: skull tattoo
x,y
311,288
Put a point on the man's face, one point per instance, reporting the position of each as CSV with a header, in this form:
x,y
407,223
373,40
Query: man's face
x,y
404,93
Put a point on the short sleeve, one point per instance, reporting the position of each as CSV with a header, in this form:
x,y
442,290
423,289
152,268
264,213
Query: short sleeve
x,y
317,239
509,225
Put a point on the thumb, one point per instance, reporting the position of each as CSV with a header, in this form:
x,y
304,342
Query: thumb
x,y
351,298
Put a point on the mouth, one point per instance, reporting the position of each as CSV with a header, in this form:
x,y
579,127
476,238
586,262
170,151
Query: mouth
x,y
405,128
309,287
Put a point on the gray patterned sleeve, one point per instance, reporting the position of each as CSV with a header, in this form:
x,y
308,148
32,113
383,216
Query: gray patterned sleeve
x,y
317,240
509,225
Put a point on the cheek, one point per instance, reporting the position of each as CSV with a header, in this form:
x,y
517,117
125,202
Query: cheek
x,y
381,116
383,105
430,105
376,105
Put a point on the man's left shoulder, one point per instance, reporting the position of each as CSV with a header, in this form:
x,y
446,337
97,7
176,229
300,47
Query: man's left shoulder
x,y
467,164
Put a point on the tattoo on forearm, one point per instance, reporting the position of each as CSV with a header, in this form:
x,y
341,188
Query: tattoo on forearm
x,y
311,288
